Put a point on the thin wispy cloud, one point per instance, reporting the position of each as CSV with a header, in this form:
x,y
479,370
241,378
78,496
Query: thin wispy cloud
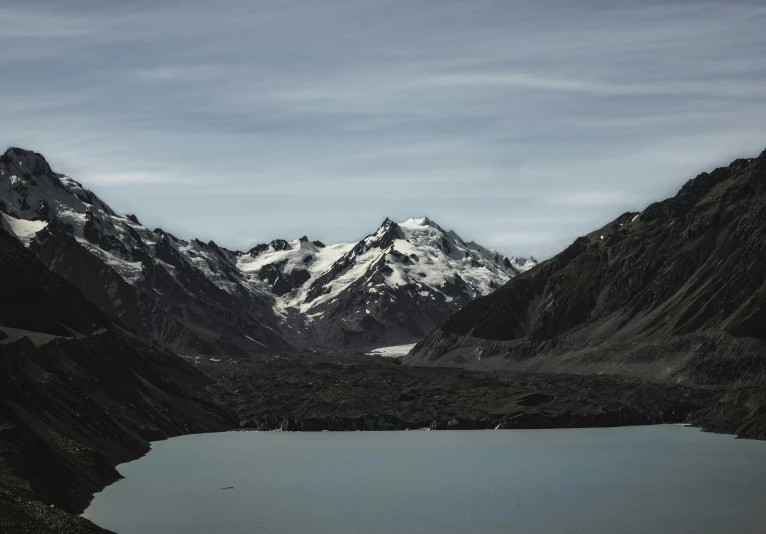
x,y
521,124
590,198
134,178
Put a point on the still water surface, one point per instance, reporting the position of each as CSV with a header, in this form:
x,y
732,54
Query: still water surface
x,y
662,479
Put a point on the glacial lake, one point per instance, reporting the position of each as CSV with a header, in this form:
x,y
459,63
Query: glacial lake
x,y
652,479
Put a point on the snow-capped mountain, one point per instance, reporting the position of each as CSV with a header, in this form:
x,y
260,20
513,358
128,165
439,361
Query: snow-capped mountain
x,y
395,285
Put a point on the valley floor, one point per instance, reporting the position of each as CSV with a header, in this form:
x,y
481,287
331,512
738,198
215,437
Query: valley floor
x,y
377,393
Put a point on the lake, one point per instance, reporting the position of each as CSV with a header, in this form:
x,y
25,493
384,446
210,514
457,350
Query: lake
x,y
653,479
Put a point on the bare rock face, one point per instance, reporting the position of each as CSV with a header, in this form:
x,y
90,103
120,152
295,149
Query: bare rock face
x,y
676,292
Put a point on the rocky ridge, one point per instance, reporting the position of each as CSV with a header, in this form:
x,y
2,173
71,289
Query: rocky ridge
x,y
675,293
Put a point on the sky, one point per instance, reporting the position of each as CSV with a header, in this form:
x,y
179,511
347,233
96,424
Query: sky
x,y
519,124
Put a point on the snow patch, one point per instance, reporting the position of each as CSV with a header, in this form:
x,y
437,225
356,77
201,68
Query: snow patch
x,y
392,352
24,230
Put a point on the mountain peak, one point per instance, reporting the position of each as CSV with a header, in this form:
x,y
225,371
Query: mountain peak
x,y
22,160
17,152
385,235
422,221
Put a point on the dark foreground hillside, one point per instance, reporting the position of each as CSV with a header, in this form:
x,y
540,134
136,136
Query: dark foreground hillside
x,y
676,293
74,407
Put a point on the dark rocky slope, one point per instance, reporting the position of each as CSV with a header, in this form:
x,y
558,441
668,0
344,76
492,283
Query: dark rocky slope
x,y
73,408
186,295
32,300
738,411
676,293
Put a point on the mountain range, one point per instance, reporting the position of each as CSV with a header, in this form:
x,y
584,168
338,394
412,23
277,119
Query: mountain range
x,y
197,298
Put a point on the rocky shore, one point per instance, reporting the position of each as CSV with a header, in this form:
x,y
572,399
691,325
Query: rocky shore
x,y
72,409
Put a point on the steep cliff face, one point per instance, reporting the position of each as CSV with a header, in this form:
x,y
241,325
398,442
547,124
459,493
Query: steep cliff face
x,y
676,292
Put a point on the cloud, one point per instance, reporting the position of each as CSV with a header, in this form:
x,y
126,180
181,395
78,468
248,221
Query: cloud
x,y
159,73
598,88
112,179
524,240
25,23
590,198
521,125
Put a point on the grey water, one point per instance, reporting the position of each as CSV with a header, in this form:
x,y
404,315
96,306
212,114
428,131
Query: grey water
x,y
667,479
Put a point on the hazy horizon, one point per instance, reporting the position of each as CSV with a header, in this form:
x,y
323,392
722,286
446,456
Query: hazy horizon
x,y
519,126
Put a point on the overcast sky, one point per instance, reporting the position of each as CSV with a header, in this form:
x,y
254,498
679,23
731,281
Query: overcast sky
x,y
520,124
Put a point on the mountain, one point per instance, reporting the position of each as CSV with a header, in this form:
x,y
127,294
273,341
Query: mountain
x,y
185,294
393,286
201,299
674,293
84,397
